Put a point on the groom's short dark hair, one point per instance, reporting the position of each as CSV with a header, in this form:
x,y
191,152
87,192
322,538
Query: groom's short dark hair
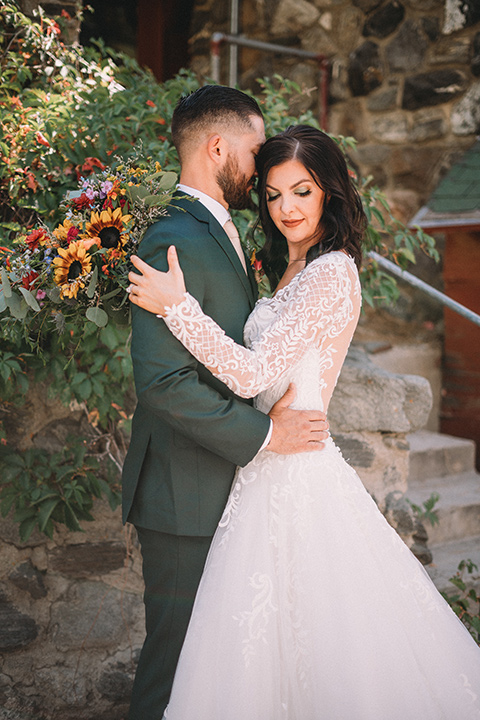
x,y
211,106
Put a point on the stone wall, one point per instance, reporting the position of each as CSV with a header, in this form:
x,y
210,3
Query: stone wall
x,y
405,77
71,611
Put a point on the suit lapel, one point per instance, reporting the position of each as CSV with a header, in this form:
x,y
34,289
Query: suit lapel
x,y
201,213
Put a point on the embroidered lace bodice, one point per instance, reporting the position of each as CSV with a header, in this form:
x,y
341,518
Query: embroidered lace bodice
x,y
299,335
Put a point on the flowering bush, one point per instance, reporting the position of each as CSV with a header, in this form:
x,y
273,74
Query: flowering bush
x,y
78,271
70,218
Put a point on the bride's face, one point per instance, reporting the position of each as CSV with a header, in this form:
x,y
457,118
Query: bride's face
x,y
295,203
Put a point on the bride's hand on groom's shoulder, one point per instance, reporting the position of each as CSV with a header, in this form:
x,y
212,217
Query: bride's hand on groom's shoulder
x,y
154,290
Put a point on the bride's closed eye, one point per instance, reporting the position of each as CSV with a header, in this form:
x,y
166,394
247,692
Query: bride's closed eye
x,y
303,192
272,197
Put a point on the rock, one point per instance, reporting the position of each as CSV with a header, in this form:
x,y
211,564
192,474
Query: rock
x,y
431,27
372,154
401,516
16,629
428,125
424,5
369,399
432,88
93,615
459,15
475,66
391,128
347,28
381,460
26,577
292,16
87,558
365,72
356,449
465,117
383,100
450,51
413,168
9,534
115,682
315,39
385,20
407,49
367,5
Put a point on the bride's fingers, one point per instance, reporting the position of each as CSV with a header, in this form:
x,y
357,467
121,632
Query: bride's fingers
x,y
140,264
174,267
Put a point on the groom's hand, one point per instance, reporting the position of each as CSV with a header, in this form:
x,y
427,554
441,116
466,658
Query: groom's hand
x,y
296,431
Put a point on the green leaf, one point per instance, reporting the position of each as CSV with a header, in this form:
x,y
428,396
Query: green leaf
x,y
7,288
30,299
17,306
93,283
45,511
71,519
97,316
27,527
168,180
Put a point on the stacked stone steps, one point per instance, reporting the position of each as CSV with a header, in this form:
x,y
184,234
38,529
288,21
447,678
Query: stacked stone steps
x,y
445,465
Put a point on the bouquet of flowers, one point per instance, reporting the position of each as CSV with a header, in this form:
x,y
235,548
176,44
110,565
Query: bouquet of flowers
x,y
79,271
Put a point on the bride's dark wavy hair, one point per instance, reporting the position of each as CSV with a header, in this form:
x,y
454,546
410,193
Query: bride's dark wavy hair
x,y
343,220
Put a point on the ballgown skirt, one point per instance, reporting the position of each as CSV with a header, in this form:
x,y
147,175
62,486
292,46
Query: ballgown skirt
x,y
312,608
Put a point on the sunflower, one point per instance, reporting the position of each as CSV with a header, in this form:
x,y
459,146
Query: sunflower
x,y
109,226
62,231
71,267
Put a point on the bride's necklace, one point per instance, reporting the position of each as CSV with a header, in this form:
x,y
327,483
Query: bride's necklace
x,y
299,260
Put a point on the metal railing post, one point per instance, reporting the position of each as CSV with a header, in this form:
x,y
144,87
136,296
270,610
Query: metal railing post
x,y
239,40
421,285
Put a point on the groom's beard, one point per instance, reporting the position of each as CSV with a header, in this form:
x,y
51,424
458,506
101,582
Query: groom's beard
x,y
236,187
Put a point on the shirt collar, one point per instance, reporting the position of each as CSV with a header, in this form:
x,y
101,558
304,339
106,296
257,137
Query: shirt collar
x,y
219,212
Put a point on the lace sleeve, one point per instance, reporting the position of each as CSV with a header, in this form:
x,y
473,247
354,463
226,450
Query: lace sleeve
x,y
321,306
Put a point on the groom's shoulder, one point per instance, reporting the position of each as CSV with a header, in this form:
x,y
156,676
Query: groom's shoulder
x,y
181,218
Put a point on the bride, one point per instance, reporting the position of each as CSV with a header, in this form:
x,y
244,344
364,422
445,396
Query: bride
x,y
310,606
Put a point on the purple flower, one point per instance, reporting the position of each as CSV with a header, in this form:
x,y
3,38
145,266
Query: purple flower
x,y
105,188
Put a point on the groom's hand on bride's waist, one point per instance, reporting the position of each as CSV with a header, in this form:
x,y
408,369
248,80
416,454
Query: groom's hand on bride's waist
x,y
296,431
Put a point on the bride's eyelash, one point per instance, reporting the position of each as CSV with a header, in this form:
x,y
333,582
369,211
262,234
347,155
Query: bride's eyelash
x,y
303,193
271,198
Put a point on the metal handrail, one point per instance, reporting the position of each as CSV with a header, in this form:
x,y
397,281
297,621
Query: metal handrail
x,y
421,285
322,60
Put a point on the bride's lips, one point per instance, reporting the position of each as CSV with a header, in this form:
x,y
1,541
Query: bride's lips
x,y
292,223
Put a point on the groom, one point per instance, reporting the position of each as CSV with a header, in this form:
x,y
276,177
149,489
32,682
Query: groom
x,y
189,431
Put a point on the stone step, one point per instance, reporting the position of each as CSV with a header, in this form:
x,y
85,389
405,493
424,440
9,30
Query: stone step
x,y
436,455
458,508
446,558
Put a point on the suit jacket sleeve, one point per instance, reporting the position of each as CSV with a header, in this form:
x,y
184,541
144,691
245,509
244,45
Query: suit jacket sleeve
x,y
166,374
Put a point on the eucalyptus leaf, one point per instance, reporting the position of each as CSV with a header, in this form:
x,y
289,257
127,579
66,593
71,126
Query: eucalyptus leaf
x,y
30,299
7,288
54,294
168,180
93,283
17,306
111,294
97,316
3,304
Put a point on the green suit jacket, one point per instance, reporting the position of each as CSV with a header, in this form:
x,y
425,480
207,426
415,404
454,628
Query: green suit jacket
x,y
189,431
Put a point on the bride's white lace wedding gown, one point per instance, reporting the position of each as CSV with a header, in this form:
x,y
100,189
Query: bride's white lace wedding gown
x,y
310,606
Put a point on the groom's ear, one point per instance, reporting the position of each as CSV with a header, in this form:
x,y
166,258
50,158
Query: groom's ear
x,y
216,148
